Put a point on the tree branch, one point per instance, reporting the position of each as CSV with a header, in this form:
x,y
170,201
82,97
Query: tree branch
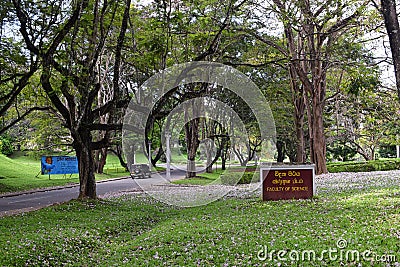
x,y
67,27
272,62
20,118
23,19
12,96
105,127
214,44
45,81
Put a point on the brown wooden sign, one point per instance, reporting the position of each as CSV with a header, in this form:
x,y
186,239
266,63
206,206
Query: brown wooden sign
x,y
287,182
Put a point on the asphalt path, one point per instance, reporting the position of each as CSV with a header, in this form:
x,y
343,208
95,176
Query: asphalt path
x,y
36,199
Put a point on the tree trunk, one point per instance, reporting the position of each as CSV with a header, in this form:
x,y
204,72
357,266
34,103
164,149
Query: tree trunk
x,y
210,160
209,130
130,157
223,160
319,143
241,158
301,147
84,153
281,152
102,160
209,168
191,169
192,141
118,153
299,125
299,110
224,153
96,160
392,27
159,155
292,158
99,161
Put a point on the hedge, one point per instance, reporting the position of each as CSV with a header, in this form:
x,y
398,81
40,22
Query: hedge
x,y
364,166
233,177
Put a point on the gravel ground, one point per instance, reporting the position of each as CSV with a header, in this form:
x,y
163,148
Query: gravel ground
x,y
192,195
351,181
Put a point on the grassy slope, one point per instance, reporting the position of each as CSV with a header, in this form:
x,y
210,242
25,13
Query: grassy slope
x,y
137,231
19,173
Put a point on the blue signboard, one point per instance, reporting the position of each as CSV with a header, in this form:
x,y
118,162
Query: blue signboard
x,y
59,165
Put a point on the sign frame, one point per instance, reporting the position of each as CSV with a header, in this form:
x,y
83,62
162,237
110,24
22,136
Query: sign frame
x,y
59,165
264,173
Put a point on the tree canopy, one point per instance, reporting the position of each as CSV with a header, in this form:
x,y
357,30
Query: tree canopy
x,y
69,70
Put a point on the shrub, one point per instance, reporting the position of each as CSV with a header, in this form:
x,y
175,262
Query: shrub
x,y
6,146
373,165
37,154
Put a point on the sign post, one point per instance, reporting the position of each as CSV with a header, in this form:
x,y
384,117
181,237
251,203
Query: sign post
x,y
168,137
149,155
287,182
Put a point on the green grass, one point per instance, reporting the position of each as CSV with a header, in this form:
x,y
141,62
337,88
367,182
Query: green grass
x,y
160,169
22,172
195,181
215,177
212,176
201,179
138,231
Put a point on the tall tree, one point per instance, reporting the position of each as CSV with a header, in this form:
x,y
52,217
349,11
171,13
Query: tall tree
x,y
69,41
173,32
17,67
389,12
310,29
362,115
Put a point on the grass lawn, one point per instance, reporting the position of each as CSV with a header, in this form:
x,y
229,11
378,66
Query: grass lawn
x,y
201,179
135,230
208,178
22,173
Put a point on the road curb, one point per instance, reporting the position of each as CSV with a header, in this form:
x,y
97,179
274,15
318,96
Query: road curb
x,y
19,193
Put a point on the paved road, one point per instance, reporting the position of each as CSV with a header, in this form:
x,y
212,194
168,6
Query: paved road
x,y
42,198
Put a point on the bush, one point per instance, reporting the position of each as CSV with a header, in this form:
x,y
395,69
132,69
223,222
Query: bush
x,y
367,166
6,146
37,154
233,178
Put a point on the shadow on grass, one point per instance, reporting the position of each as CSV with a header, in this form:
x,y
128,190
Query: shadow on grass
x,y
136,230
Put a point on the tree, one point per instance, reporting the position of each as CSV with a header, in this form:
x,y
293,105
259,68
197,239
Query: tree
x,y
32,122
365,119
275,83
359,111
17,67
69,42
173,32
389,13
310,30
